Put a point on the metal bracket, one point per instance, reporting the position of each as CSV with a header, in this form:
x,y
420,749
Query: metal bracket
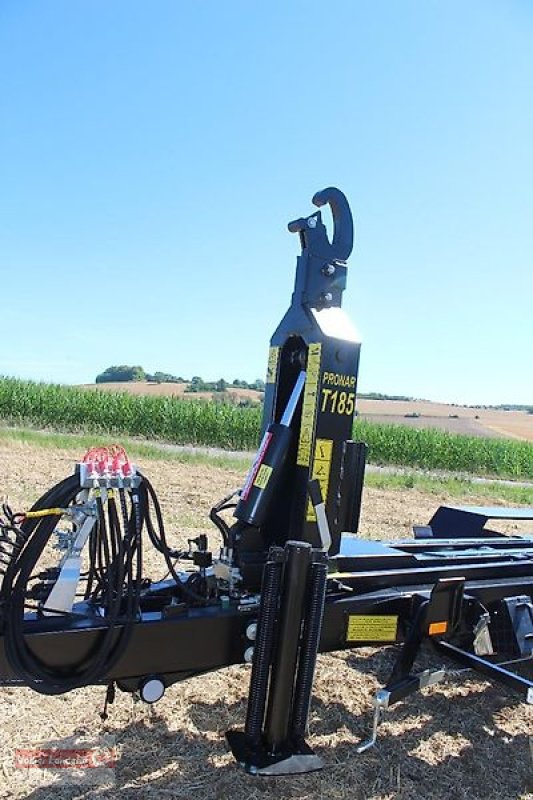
x,y
381,703
491,670
315,495
63,593
482,639
385,698
520,611
321,273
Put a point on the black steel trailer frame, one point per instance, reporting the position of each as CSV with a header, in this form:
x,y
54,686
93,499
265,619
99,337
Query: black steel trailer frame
x,y
293,578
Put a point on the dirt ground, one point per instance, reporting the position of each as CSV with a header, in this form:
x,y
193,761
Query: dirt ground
x,y
461,739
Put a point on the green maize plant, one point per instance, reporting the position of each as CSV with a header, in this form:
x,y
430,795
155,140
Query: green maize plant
x,y
200,422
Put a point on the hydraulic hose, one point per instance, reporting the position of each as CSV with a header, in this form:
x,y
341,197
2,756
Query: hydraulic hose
x,y
114,583
159,541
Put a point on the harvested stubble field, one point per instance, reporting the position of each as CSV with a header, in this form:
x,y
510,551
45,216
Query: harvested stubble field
x,y
466,420
463,739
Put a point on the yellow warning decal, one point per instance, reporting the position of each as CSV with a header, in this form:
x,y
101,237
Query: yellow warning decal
x,y
303,458
272,368
321,471
263,476
381,628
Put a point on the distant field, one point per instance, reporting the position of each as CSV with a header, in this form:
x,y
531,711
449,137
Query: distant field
x,y
231,427
168,390
454,419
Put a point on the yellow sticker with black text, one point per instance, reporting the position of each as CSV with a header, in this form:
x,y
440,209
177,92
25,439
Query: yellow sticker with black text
x,y
272,368
263,476
378,628
321,471
307,426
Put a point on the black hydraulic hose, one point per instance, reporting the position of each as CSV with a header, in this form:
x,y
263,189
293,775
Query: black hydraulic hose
x,y
221,525
11,542
308,654
114,580
124,509
134,546
92,563
263,646
103,552
159,540
27,530
132,540
21,658
118,553
112,529
38,532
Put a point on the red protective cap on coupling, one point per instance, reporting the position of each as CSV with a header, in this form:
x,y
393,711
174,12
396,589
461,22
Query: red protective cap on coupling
x,y
111,460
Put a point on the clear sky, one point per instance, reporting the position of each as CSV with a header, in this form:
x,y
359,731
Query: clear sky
x,y
151,154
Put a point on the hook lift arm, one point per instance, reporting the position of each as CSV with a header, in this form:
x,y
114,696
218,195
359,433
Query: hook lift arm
x,y
291,579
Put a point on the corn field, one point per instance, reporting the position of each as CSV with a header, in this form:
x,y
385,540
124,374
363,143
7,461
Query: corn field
x,y
432,449
199,422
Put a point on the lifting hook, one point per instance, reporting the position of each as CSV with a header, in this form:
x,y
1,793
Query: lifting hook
x,y
313,234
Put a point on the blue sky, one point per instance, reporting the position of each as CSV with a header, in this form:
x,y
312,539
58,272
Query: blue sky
x,y
151,154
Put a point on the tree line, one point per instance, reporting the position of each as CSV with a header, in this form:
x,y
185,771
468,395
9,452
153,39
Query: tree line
x,y
125,373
